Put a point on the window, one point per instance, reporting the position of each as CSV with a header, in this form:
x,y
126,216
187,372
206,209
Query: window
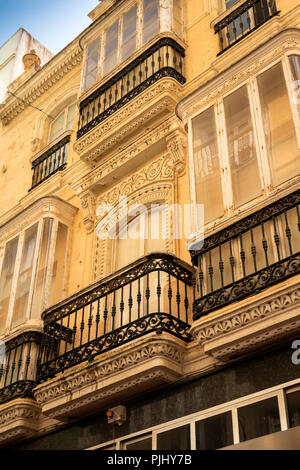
x,y
63,122
220,427
150,19
91,66
129,32
239,142
214,432
111,47
174,439
177,17
123,37
259,419
28,271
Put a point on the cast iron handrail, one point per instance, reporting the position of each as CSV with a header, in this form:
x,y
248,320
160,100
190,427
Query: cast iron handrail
x,y
18,369
250,255
151,294
53,160
243,20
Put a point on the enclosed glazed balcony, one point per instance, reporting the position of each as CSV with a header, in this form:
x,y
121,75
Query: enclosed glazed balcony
x,y
242,19
162,59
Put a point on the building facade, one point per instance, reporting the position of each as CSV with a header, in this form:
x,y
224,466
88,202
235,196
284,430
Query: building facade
x,y
129,317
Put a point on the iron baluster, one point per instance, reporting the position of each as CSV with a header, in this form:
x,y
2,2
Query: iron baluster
x,y
130,301
90,322
148,293
221,265
211,272
139,297
105,314
276,238
265,244
122,306
231,261
242,255
178,299
253,251
170,294
97,318
20,362
288,233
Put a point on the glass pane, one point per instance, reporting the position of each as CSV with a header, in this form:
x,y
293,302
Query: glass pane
x,y
59,264
214,432
207,170
278,125
295,66
175,439
150,19
177,16
293,404
42,268
241,146
91,70
259,419
111,48
145,444
6,278
129,32
70,116
57,127
24,279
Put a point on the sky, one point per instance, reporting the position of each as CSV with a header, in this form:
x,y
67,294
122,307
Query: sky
x,y
54,23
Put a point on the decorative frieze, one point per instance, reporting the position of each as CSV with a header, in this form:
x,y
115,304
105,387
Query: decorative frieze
x,y
139,366
18,419
159,99
254,323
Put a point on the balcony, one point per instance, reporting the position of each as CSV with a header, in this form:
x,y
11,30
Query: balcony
x,y
19,413
163,59
246,273
50,161
129,329
241,20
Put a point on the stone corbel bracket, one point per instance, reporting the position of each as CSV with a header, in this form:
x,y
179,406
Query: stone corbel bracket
x,y
260,321
18,419
177,147
88,207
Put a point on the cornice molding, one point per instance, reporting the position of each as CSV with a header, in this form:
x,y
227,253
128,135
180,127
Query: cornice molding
x,y
140,365
226,74
261,320
41,82
18,419
21,216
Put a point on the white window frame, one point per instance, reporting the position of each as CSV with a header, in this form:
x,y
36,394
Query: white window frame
x,y
259,136
65,111
279,391
36,257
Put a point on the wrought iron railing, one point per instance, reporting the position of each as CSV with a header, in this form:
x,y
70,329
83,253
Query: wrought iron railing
x,y
243,20
163,59
152,294
18,367
248,256
53,160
